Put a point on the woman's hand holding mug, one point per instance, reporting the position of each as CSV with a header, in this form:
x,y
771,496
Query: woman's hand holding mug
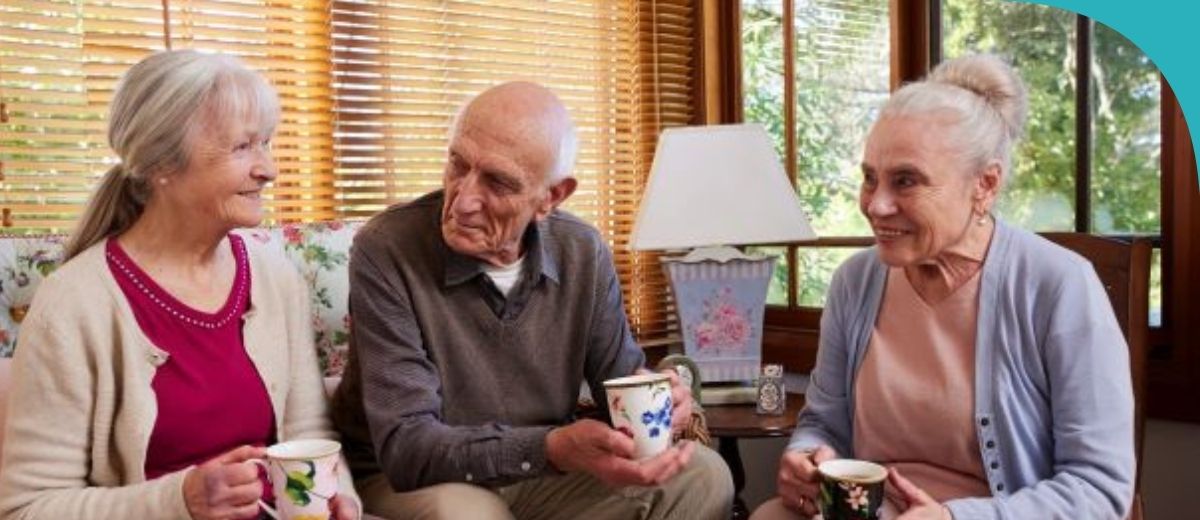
x,y
798,481
224,488
344,509
304,477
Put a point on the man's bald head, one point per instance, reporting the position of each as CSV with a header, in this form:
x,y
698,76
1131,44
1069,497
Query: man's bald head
x,y
530,119
509,163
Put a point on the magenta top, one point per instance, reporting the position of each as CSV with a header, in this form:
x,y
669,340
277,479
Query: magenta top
x,y
210,396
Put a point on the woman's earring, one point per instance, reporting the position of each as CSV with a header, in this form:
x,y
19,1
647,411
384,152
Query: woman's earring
x,y
162,181
982,220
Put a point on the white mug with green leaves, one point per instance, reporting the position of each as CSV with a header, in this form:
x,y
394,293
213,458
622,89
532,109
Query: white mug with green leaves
x,y
304,477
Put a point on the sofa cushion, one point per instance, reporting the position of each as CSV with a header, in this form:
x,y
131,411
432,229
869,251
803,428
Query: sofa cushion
x,y
24,262
320,251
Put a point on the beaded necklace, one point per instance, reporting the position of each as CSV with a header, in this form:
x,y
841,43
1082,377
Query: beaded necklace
x,y
239,289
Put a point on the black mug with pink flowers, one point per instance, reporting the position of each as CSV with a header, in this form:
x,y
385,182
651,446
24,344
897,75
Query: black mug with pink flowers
x,y
851,489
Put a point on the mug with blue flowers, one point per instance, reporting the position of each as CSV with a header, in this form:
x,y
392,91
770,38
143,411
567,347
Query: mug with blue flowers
x,y
640,407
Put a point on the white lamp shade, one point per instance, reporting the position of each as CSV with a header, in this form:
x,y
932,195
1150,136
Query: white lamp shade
x,y
717,185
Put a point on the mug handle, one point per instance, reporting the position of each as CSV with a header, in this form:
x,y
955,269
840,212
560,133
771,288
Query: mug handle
x,y
266,471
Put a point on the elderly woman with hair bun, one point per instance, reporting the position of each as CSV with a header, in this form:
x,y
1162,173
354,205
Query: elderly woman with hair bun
x,y
980,363
167,352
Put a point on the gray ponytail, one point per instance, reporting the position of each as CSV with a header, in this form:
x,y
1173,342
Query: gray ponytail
x,y
116,204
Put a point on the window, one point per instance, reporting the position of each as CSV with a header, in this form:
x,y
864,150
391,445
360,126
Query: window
x,y
815,72
288,43
818,96
368,88
59,62
1094,170
623,68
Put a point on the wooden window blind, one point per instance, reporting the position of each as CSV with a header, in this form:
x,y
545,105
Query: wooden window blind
x,y
666,98
289,42
59,62
623,68
368,89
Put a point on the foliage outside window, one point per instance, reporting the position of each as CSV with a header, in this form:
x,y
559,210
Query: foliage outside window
x,y
1042,42
1125,133
841,72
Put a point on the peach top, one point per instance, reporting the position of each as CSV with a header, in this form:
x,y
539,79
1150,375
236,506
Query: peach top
x,y
914,392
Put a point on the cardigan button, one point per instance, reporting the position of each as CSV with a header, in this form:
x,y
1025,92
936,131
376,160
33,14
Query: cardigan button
x,y
991,444
984,421
995,465
1000,487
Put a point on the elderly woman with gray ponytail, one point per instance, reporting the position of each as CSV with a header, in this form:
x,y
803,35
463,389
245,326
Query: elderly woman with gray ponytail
x,y
980,363
167,352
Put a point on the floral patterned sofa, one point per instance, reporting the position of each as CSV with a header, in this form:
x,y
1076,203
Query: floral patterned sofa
x,y
320,251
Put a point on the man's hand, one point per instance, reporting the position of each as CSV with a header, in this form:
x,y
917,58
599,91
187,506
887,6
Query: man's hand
x,y
681,401
592,447
225,487
799,482
343,508
918,505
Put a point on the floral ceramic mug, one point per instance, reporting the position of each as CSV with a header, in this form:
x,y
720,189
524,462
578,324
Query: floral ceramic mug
x,y
851,489
640,407
304,477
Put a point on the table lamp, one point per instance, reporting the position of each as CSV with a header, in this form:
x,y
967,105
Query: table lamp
x,y
712,187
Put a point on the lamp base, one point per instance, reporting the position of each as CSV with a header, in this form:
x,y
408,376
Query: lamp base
x,y
720,304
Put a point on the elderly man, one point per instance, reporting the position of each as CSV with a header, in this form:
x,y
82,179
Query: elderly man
x,y
478,312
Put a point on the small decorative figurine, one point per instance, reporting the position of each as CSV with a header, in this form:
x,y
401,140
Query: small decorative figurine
x,y
771,397
686,368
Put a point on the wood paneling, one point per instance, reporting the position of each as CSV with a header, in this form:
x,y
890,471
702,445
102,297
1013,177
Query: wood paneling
x,y
1174,365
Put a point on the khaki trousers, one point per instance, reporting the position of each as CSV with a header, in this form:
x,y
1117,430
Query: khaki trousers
x,y
702,491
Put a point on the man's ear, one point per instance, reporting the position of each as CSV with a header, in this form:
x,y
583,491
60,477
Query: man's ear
x,y
559,192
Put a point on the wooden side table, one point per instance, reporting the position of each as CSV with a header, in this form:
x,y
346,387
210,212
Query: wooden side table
x,y
728,423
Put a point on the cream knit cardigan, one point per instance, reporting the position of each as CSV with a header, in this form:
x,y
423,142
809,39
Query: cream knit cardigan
x,y
81,408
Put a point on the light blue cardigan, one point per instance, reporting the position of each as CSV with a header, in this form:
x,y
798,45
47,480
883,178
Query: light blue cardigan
x,y
1053,398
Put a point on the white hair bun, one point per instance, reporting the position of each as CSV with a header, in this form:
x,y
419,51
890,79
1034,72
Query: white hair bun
x,y
992,79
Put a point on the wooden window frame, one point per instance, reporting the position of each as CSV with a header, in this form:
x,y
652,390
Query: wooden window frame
x,y
1174,365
